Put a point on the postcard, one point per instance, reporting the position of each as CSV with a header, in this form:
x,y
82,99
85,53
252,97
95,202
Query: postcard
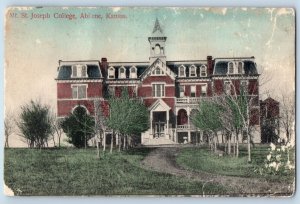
x,y
160,101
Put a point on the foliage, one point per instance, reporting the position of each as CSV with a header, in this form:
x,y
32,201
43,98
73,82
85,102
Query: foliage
x,y
127,115
69,171
35,124
79,127
207,118
277,161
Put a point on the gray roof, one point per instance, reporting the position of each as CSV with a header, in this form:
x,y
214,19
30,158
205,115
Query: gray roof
x,y
221,67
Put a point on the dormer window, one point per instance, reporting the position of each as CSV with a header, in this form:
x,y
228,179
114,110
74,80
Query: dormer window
x,y
79,71
230,68
133,72
122,74
203,71
111,73
158,72
193,71
181,71
240,67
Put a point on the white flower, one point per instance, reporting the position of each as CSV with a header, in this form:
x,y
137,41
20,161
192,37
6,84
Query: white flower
x,y
273,164
273,147
278,157
278,149
277,167
283,148
289,165
269,157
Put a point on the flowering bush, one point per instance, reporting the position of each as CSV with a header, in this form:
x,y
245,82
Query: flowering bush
x,y
277,161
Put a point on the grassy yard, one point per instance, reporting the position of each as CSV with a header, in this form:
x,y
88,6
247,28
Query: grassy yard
x,y
201,159
70,171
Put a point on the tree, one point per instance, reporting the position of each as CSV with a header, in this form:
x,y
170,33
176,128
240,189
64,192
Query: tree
x,y
9,124
208,118
79,127
287,115
56,129
128,116
35,124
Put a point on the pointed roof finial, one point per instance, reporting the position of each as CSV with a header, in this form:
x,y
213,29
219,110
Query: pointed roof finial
x,y
157,27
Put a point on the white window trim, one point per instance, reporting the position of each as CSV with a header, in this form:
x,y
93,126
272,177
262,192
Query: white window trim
x,y
193,92
86,87
79,71
122,76
181,92
190,68
87,111
133,75
205,70
237,68
204,85
184,74
161,73
109,69
247,83
158,83
233,65
225,87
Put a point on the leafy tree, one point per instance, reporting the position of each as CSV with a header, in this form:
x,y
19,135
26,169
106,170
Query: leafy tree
x,y
79,127
35,124
128,116
208,118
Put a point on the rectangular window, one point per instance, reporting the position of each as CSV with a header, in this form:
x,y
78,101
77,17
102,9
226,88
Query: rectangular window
x,y
193,91
204,90
158,90
227,87
74,71
181,91
79,91
244,86
111,90
79,70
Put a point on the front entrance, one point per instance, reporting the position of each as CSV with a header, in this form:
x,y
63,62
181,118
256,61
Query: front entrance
x,y
159,123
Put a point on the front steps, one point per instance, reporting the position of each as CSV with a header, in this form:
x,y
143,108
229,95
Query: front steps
x,y
157,141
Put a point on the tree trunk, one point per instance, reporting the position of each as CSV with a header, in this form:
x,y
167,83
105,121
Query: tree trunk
x,y
249,146
215,142
229,144
234,142
120,144
237,144
104,141
98,149
111,143
124,142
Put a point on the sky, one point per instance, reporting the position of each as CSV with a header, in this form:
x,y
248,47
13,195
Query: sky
x,y
34,46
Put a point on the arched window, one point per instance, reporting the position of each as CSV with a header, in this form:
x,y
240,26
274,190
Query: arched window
x,y
111,73
240,67
181,71
203,71
133,72
193,71
230,68
122,73
157,49
157,71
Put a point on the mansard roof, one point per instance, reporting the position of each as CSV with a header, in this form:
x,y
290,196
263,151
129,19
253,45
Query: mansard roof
x,y
221,65
65,69
174,66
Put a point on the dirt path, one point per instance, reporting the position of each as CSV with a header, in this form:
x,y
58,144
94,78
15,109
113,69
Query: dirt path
x,y
163,160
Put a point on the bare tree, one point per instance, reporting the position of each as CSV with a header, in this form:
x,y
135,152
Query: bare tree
x,y
9,127
287,115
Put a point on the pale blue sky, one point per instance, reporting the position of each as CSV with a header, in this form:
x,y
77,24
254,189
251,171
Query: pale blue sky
x,y
33,47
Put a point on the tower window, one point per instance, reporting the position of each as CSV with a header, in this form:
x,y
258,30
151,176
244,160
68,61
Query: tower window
x,y
157,49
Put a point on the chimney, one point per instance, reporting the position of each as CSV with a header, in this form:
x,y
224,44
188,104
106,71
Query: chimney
x,y
104,67
209,65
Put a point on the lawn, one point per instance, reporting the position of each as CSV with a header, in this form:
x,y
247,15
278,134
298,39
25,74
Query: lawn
x,y
201,159
70,171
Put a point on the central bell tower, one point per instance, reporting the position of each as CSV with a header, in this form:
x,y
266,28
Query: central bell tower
x,y
157,43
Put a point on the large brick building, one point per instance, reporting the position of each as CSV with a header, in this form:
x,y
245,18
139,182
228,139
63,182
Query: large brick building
x,y
170,89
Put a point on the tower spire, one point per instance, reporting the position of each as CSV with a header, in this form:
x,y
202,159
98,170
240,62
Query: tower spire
x,y
157,27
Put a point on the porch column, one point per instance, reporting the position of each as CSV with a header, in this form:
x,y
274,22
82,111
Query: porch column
x,y
167,126
189,136
151,123
117,139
